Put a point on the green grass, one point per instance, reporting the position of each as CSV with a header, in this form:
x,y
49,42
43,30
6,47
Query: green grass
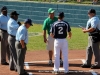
x,y
77,42
68,1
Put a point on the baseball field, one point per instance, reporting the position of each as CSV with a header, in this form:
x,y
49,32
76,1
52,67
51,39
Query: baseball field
x,y
36,62
77,42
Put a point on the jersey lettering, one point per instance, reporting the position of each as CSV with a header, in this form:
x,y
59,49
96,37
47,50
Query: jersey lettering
x,y
60,30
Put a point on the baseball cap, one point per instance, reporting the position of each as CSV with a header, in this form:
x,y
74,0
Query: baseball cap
x,y
29,21
50,10
61,14
92,11
4,8
14,13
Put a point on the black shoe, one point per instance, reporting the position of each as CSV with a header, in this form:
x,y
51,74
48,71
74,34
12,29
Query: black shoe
x,y
5,63
25,73
85,66
15,70
12,69
95,67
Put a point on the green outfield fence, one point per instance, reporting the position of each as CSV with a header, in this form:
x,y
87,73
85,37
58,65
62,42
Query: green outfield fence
x,y
74,14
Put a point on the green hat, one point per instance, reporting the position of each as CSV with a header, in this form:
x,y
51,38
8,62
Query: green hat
x,y
50,10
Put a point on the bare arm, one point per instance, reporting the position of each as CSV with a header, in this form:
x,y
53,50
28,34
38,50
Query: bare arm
x,y
88,30
69,35
22,43
51,35
44,36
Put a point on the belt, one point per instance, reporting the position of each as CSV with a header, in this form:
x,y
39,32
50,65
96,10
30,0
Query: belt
x,y
19,42
4,30
60,38
12,35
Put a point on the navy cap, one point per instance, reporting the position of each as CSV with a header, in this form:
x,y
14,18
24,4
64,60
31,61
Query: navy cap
x,y
92,11
4,8
29,21
14,13
61,14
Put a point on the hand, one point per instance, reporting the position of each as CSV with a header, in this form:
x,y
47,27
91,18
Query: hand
x,y
84,30
19,23
69,37
45,40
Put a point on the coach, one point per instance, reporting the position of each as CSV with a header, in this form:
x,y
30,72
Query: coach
x,y
50,41
20,45
93,29
12,29
4,35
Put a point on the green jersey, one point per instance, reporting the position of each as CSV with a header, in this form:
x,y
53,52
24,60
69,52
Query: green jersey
x,y
47,24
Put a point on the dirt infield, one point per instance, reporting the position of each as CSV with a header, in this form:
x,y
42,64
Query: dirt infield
x,y
36,63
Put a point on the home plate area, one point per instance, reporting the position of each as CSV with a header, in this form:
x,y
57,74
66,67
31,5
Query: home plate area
x,y
42,68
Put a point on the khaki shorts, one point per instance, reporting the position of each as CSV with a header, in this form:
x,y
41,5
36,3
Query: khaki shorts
x,y
50,43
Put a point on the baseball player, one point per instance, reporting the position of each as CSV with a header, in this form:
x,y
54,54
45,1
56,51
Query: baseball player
x,y
59,32
50,41
20,45
12,27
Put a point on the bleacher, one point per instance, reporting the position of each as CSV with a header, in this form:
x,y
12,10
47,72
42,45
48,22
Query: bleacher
x,y
74,14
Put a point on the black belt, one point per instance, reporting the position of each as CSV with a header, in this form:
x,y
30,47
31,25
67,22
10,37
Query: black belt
x,y
12,35
19,42
4,30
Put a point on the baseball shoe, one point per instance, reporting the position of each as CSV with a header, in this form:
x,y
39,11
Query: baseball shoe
x,y
56,72
50,62
25,73
61,62
5,63
85,66
95,67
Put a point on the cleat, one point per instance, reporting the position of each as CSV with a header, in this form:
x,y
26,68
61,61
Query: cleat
x,y
61,62
50,62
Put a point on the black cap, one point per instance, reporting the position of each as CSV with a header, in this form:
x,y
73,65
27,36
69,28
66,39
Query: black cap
x,y
61,14
14,13
29,21
4,8
92,11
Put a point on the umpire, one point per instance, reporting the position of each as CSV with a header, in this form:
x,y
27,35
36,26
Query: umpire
x,y
93,24
12,29
20,45
4,36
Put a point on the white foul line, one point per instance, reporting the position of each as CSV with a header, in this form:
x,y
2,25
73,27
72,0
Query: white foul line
x,y
93,73
30,73
27,67
53,61
83,61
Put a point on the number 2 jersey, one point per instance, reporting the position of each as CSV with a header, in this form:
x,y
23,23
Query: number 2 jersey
x,y
59,29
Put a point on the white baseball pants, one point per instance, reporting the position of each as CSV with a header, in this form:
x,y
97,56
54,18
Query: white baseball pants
x,y
60,44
